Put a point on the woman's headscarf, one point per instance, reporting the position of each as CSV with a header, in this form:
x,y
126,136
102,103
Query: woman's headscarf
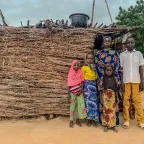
x,y
74,77
107,36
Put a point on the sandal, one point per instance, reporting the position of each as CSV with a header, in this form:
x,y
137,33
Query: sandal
x,y
114,129
141,126
126,125
105,129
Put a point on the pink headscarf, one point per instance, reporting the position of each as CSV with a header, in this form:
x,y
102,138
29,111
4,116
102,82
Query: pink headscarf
x,y
74,77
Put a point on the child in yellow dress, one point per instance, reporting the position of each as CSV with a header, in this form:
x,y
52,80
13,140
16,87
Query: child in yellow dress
x,y
90,90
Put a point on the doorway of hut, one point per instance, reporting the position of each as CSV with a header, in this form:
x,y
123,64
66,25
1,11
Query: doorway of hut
x,y
115,45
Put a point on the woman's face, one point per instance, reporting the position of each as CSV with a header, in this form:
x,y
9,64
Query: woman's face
x,y
76,66
109,71
107,42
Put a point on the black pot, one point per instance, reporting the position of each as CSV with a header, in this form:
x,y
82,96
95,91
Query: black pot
x,y
79,20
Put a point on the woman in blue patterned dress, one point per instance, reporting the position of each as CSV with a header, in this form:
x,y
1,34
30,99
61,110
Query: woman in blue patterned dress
x,y
104,57
90,91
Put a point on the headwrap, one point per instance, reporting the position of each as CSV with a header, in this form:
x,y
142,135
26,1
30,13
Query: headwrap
x,y
74,77
107,36
109,84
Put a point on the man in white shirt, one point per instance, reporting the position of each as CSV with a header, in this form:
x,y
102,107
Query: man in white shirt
x,y
131,62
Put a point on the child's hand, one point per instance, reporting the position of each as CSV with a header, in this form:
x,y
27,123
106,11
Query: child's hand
x,y
101,97
123,87
97,82
101,93
79,93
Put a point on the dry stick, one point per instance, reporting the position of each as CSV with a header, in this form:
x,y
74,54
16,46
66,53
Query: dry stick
x,y
21,24
109,11
3,18
92,13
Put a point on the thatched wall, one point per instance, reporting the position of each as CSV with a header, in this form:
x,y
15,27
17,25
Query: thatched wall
x,y
33,69
34,64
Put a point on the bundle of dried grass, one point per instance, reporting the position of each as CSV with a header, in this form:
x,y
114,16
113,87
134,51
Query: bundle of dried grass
x,y
33,68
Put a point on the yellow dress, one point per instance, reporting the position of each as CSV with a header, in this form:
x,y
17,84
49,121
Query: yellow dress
x,y
88,73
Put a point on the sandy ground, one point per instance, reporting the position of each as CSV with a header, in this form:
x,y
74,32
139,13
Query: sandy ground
x,y
56,131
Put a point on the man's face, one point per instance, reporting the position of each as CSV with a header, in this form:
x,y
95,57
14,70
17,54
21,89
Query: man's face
x,y
130,43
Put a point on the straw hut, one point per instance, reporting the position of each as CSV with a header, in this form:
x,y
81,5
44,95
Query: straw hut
x,y
34,64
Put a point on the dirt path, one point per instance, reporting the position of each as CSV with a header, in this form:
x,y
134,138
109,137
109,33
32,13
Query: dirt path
x,y
56,131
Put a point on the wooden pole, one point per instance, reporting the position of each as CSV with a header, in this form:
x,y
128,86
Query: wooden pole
x,y
93,6
3,18
21,24
109,11
28,23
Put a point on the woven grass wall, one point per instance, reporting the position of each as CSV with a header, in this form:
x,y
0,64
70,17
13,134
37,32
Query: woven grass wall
x,y
33,69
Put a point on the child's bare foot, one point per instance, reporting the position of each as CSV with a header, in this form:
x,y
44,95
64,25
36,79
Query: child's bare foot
x,y
105,129
114,129
88,123
78,123
71,124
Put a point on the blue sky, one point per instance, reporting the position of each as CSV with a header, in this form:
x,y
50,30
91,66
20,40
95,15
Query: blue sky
x,y
36,10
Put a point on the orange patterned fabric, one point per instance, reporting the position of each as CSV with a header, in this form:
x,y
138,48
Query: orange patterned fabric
x,y
108,116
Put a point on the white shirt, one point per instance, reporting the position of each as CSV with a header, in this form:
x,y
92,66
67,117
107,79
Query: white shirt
x,y
130,62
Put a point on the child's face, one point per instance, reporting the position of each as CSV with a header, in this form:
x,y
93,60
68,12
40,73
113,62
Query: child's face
x,y
109,71
89,59
76,66
130,43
